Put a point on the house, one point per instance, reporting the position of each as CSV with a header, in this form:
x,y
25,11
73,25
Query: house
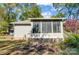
x,y
47,28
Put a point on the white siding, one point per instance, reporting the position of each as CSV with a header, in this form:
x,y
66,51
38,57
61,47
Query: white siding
x,y
21,31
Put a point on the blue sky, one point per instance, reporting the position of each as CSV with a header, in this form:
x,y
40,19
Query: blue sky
x,y
47,9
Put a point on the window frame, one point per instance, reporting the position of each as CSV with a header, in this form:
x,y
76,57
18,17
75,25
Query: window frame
x,y
44,25
57,25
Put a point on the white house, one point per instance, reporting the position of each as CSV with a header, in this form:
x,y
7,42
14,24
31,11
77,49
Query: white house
x,y
51,28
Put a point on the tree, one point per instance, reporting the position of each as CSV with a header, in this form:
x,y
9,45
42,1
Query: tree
x,y
59,15
32,11
72,26
3,27
69,9
6,16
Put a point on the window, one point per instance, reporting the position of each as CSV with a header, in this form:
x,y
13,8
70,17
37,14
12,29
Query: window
x,y
46,27
56,27
36,27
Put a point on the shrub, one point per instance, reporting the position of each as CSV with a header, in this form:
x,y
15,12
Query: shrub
x,y
62,46
72,41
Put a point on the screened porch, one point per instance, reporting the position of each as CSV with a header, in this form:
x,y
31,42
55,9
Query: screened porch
x,y
47,29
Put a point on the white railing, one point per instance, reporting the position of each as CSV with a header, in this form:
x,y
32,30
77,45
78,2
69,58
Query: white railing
x,y
45,35
40,35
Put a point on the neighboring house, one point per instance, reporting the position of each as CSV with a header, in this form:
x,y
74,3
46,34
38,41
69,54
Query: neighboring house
x,y
48,28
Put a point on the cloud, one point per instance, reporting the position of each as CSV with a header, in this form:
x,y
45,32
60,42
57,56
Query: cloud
x,y
47,9
53,9
46,14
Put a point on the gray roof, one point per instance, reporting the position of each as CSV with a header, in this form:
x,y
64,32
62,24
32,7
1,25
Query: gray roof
x,y
22,22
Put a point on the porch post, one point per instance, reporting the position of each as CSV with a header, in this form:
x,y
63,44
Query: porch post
x,y
62,29
52,26
41,27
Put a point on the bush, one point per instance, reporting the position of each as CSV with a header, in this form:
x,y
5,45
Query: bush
x,y
62,46
72,41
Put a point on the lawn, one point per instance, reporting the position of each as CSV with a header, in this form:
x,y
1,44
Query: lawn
x,y
24,47
8,46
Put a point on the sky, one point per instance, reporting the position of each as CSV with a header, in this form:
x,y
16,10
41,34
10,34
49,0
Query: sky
x,y
47,10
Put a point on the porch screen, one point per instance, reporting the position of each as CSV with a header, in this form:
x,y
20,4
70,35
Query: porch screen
x,y
56,27
46,27
36,27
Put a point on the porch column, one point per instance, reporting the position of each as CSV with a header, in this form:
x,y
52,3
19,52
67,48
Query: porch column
x,y
61,23
52,26
41,27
